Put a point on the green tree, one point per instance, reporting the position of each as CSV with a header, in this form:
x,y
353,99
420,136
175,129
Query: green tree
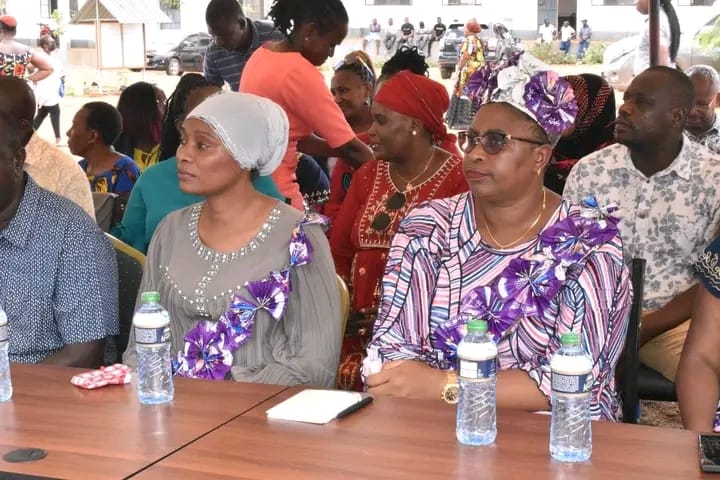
x,y
174,4
710,38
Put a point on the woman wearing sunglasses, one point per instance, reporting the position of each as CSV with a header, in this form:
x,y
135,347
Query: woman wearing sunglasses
x,y
419,161
510,252
353,87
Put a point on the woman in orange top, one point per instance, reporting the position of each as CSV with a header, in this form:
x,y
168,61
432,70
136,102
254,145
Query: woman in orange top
x,y
420,161
353,87
285,72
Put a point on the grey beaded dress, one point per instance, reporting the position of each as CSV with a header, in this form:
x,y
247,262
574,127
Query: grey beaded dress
x,y
196,283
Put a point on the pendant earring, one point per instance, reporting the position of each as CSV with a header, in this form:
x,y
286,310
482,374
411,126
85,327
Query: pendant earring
x,y
414,133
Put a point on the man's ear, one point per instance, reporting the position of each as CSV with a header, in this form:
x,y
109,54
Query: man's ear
x,y
19,160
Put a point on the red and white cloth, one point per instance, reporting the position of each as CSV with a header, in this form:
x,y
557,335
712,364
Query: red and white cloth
x,y
117,374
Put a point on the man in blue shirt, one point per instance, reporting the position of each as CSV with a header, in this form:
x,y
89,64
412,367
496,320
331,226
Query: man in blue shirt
x,y
235,40
58,273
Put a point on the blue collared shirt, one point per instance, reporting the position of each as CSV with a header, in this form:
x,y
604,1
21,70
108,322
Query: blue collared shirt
x,y
58,277
225,66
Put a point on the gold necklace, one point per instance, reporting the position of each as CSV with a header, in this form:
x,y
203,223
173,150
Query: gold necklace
x,y
534,223
409,183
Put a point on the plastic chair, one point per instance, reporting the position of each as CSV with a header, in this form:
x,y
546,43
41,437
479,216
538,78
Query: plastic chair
x,y
344,304
628,367
130,271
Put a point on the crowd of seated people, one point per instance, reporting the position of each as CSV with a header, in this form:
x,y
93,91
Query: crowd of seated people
x,y
425,227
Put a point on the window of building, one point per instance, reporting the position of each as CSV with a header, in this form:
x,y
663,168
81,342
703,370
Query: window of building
x,y
388,2
612,3
47,7
73,7
696,3
462,2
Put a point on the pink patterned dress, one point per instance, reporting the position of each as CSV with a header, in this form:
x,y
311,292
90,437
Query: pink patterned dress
x,y
438,258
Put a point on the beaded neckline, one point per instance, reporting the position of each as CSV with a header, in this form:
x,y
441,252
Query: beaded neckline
x,y
208,254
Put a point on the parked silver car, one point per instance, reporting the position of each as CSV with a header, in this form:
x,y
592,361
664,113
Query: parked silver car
x,y
619,57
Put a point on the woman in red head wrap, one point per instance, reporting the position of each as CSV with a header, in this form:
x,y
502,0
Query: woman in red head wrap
x,y
417,160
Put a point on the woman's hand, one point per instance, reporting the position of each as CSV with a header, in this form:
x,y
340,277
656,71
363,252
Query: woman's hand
x,y
408,378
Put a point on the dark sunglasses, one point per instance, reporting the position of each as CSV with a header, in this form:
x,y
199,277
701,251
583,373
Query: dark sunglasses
x,y
382,220
492,142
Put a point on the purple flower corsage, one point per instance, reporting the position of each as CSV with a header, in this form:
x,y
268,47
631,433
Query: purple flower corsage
x,y
209,346
552,101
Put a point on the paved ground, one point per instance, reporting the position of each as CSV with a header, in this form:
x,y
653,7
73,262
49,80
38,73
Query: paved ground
x,y
76,77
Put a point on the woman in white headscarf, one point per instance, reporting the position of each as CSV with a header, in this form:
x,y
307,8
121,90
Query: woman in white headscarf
x,y
248,281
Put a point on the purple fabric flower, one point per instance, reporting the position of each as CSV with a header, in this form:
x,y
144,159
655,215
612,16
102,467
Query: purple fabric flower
x,y
300,248
484,303
241,307
446,338
527,287
239,328
270,295
207,353
591,209
574,237
481,85
314,218
552,101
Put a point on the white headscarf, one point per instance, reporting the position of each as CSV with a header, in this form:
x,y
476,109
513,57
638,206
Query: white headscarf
x,y
254,130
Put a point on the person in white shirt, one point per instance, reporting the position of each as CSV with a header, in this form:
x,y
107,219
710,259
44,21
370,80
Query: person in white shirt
x,y
669,36
391,35
47,91
546,33
665,187
567,33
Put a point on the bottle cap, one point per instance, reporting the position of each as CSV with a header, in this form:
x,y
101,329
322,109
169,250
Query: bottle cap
x,y
477,326
570,339
150,297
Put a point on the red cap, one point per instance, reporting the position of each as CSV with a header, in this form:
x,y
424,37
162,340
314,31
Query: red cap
x,y
9,20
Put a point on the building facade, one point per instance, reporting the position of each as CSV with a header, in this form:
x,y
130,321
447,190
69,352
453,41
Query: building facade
x,y
610,19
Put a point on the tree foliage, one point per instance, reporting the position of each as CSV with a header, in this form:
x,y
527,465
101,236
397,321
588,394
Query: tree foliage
x,y
710,38
174,4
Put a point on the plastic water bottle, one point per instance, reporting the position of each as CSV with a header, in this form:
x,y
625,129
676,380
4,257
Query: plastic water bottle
x,y
152,341
6,389
570,430
477,359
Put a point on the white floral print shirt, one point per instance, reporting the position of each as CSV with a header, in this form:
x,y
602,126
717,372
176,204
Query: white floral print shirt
x,y
668,219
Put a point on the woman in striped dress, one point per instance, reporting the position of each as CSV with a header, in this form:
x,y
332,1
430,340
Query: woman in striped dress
x,y
511,252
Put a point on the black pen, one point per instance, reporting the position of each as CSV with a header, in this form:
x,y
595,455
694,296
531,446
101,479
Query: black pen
x,y
355,406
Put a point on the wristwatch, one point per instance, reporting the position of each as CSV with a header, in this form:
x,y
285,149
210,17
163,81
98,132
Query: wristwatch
x,y
449,392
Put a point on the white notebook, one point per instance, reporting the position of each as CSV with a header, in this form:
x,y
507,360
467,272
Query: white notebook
x,y
318,406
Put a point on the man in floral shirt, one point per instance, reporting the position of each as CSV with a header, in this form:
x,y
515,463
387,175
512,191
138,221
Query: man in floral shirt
x,y
666,190
703,125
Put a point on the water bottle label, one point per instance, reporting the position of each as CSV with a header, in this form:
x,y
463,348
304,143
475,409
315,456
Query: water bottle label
x,y
4,333
478,370
151,336
571,384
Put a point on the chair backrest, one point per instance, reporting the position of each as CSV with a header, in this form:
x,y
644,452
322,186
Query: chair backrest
x,y
344,304
627,369
130,271
109,209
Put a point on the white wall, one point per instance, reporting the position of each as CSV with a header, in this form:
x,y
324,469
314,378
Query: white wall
x,y
626,20
518,14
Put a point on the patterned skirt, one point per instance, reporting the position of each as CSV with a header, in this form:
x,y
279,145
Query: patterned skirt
x,y
352,353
